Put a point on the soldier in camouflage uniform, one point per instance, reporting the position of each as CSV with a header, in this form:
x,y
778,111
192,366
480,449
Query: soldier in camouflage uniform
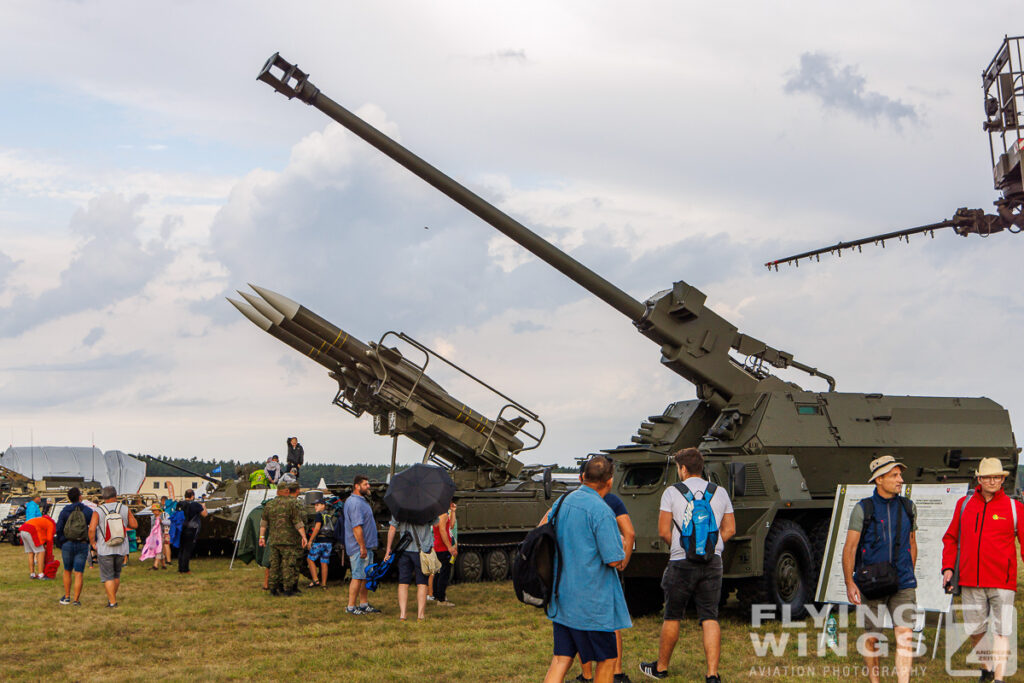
x,y
284,518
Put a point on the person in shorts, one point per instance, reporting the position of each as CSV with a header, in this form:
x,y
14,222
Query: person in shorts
x,y
111,557
360,542
36,535
409,569
75,551
628,534
684,579
985,531
320,547
887,535
588,605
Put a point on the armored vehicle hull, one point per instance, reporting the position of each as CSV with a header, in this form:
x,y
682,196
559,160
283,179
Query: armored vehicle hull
x,y
781,456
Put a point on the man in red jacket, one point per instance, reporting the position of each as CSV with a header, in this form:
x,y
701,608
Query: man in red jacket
x,y
986,528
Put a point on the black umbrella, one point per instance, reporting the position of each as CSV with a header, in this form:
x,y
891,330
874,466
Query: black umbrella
x,y
419,494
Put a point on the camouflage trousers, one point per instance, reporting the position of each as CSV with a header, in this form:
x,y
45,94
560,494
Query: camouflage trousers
x,y
284,565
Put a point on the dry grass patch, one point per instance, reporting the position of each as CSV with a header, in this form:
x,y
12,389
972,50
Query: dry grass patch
x,y
217,624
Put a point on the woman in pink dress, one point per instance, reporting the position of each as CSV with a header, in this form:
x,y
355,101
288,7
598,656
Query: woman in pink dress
x,y
154,548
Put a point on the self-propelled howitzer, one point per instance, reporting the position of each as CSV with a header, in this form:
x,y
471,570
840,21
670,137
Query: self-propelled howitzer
x,y
779,451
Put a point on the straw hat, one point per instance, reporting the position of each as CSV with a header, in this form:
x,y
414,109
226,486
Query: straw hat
x,y
155,508
883,465
991,467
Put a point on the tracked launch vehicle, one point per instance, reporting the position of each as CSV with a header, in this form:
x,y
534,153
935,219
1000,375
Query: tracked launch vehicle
x,y
778,449
499,498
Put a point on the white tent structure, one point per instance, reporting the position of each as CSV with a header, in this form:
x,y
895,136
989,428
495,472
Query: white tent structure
x,y
112,468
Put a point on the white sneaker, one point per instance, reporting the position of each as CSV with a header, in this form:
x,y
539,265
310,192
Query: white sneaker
x,y
431,598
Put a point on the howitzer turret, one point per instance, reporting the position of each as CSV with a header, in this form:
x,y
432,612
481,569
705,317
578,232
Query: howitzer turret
x,y
779,451
378,379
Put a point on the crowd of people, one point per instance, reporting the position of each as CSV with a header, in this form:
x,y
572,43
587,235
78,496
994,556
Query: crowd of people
x,y
588,611
274,473
285,532
103,535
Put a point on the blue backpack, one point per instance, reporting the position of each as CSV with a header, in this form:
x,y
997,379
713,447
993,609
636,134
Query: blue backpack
x,y
699,534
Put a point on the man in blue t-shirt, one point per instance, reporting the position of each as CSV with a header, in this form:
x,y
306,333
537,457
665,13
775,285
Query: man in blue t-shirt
x,y
33,508
588,606
360,542
628,534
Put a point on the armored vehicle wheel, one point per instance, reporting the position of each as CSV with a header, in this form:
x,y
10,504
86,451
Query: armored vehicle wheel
x,y
469,566
643,595
788,577
819,538
497,564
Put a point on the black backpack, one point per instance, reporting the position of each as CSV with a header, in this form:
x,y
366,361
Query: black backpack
x,y
328,527
533,569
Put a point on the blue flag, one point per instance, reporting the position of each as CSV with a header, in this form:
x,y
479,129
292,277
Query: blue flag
x,y
215,470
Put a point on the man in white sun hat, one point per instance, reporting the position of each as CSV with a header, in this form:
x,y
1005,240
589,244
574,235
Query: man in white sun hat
x,y
978,550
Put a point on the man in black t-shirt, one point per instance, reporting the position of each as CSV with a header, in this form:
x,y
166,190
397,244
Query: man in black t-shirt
x,y
194,512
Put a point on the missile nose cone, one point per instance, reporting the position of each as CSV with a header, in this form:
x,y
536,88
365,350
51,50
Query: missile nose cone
x,y
252,314
280,302
265,309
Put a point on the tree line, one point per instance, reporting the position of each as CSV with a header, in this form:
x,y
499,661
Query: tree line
x,y
309,475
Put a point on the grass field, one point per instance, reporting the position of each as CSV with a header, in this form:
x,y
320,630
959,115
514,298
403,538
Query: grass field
x,y
217,624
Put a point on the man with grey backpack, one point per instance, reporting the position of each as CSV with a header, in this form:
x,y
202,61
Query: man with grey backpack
x,y
108,531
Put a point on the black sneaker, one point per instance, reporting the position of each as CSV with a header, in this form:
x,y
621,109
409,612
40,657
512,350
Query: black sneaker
x,y
987,676
369,609
712,679
65,600
651,669
621,678
111,606
580,679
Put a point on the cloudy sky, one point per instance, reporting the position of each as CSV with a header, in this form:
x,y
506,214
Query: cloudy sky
x,y
145,175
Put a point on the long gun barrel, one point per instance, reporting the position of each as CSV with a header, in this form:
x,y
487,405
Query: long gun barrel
x,y
181,469
695,342
377,379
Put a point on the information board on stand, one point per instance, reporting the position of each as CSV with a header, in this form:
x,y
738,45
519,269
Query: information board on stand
x,y
935,506
253,499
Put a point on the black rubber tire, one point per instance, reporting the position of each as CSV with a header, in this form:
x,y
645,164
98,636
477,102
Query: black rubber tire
x,y
789,572
469,566
498,564
818,538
